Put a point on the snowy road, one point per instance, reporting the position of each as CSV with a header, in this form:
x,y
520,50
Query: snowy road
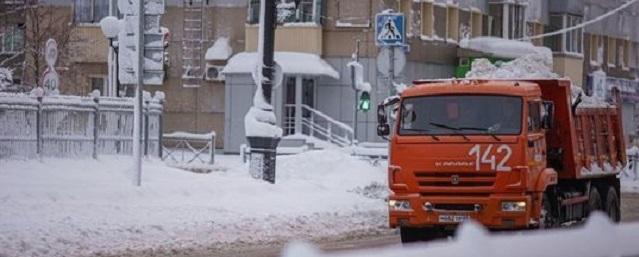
x,y
629,209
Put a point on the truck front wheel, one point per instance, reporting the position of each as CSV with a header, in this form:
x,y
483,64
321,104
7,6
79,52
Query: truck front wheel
x,y
612,205
547,219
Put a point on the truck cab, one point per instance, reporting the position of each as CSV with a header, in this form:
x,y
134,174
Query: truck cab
x,y
479,150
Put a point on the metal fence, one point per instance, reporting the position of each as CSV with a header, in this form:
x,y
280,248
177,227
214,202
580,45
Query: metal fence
x,y
65,126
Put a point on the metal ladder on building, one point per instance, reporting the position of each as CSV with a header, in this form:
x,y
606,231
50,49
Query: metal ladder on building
x,y
192,43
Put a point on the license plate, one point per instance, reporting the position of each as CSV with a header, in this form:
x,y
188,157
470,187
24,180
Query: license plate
x,y
452,218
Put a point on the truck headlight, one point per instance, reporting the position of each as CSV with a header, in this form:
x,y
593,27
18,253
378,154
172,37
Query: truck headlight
x,y
518,206
399,205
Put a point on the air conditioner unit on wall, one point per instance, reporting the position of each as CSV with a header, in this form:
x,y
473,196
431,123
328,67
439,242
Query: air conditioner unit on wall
x,y
214,73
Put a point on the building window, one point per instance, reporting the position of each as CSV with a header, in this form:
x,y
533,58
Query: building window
x,y
593,50
573,39
623,52
427,20
11,39
611,49
569,42
90,11
405,7
535,28
440,18
289,11
353,14
452,24
97,83
476,24
508,20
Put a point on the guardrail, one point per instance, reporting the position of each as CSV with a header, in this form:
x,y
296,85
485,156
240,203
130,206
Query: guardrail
x,y
183,148
64,126
598,238
317,124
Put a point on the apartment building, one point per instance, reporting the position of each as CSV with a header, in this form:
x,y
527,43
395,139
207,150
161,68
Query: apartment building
x,y
210,88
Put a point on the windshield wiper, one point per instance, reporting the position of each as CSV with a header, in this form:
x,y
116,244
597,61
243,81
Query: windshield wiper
x,y
422,130
454,129
488,130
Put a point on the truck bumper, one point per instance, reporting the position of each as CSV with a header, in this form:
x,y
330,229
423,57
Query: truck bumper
x,y
454,209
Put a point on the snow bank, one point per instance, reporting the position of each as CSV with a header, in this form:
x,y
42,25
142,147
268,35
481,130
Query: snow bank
x,y
599,237
64,207
291,63
502,48
220,50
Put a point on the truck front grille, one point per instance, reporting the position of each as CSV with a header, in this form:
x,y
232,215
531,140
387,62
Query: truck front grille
x,y
457,183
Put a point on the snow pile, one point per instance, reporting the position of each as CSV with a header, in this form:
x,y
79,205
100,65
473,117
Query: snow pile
x,y
220,50
261,123
587,101
71,207
291,63
531,66
360,84
6,78
598,237
502,48
285,11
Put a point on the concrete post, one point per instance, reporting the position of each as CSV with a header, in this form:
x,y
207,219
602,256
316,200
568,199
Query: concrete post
x,y
298,104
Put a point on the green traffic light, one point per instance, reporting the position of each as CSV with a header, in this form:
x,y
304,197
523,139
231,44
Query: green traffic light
x,y
364,101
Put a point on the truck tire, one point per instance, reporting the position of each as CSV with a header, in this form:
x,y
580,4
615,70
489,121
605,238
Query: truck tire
x,y
547,219
612,205
411,235
594,201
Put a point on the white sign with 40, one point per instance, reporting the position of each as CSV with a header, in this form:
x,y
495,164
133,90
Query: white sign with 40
x,y
488,157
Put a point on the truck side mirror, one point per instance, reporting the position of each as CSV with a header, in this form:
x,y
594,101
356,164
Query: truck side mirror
x,y
383,129
549,115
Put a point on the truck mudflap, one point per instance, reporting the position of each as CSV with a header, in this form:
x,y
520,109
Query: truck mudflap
x,y
452,210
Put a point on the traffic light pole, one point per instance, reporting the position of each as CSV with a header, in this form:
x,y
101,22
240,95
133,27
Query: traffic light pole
x,y
356,103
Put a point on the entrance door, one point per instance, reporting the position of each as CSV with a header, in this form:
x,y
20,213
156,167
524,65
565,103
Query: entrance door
x,y
308,99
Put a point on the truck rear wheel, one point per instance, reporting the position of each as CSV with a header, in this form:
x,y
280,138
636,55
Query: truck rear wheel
x,y
612,205
594,201
411,235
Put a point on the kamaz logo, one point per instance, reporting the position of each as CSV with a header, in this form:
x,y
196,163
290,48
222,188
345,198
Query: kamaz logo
x,y
454,179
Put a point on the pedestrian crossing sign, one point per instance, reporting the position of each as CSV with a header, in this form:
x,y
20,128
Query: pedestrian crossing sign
x,y
390,29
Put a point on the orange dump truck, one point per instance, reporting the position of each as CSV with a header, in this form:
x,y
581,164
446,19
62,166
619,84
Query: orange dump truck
x,y
508,154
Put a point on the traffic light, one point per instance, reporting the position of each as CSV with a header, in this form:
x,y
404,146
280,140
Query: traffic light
x,y
364,101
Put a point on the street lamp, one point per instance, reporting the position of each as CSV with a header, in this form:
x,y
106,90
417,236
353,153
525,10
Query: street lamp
x,y
111,27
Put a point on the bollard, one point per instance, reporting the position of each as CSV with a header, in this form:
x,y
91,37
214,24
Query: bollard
x,y
634,159
263,156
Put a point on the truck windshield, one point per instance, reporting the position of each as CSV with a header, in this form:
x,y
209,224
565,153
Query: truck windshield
x,y
461,115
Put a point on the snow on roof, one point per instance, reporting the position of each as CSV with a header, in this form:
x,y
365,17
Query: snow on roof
x,y
500,47
291,63
220,51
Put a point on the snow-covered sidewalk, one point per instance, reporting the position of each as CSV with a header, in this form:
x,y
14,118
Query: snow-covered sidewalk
x,y
63,207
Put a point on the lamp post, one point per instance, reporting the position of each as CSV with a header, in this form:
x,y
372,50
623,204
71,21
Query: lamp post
x,y
111,27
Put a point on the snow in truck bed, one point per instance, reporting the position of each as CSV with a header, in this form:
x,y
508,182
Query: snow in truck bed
x,y
64,207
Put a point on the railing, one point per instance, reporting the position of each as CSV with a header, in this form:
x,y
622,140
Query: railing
x,y
63,126
318,125
181,148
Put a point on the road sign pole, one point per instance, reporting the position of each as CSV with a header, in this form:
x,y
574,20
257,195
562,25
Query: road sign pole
x,y
391,70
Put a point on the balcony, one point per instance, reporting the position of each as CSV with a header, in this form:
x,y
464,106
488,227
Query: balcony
x,y
291,37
